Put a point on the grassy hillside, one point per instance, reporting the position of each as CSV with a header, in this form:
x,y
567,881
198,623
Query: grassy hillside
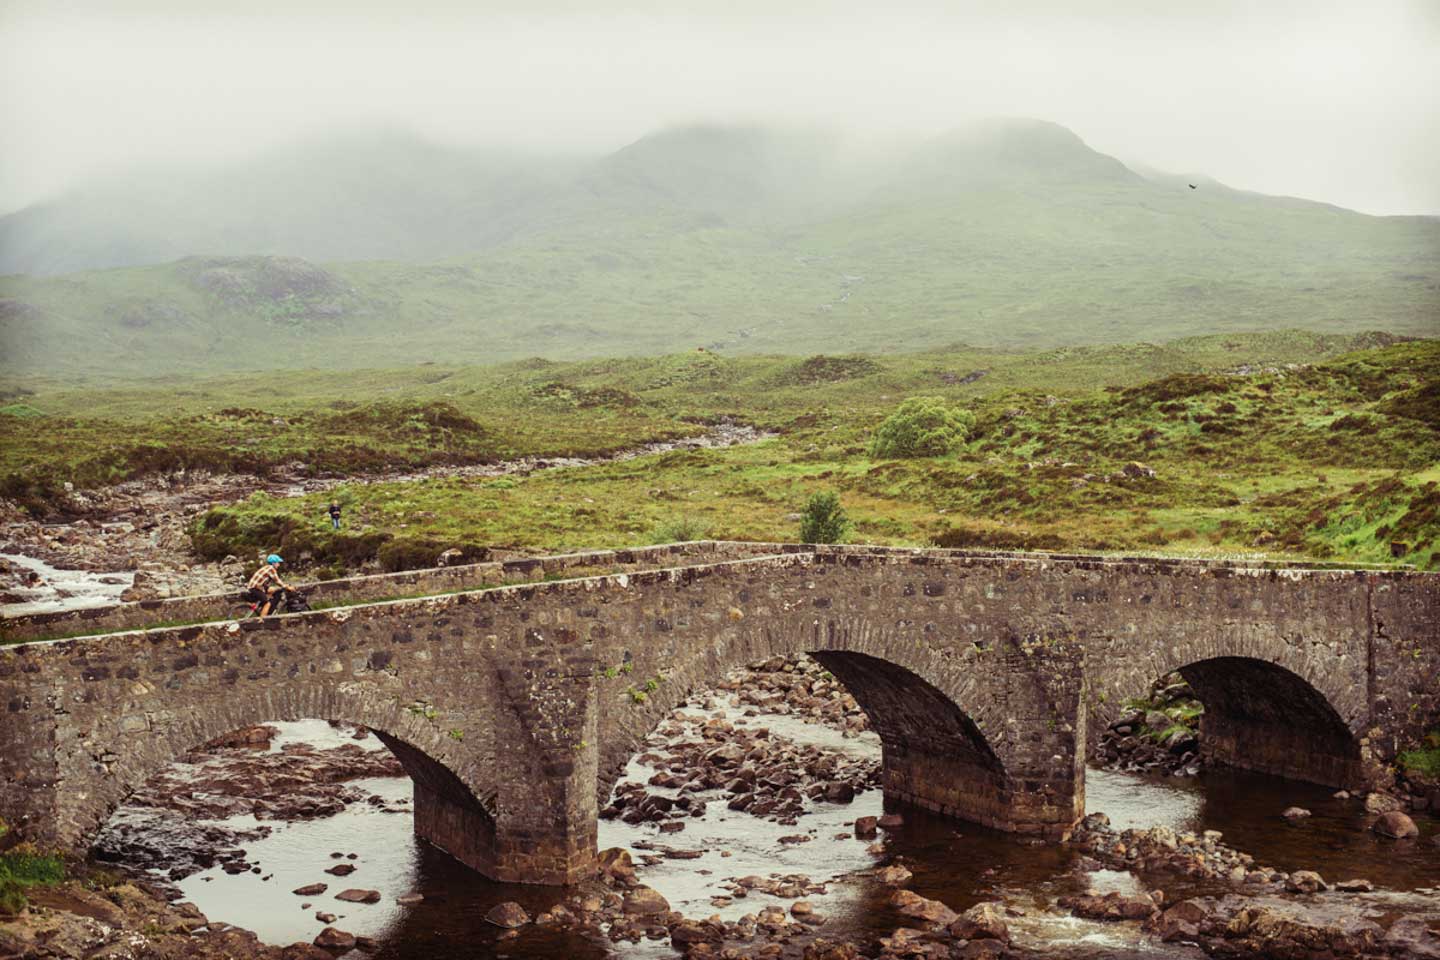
x,y
1274,445
1015,236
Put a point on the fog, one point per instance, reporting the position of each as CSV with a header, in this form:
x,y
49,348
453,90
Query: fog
x,y
1334,101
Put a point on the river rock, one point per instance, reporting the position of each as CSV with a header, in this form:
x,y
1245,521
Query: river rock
x,y
310,890
1110,906
826,950
1396,825
894,875
508,915
1354,886
341,869
644,901
1305,881
891,821
253,737
911,904
984,921
1295,813
306,951
617,864
1377,802
979,950
1181,922
865,827
356,895
1412,937
687,933
332,939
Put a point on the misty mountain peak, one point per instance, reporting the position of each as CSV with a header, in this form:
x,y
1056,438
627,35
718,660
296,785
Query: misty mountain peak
x,y
713,167
1011,148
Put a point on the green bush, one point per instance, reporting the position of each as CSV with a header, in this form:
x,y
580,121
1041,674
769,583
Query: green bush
x,y
823,520
25,867
922,427
418,553
679,530
1423,762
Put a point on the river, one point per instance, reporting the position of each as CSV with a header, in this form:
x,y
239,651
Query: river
x,y
957,863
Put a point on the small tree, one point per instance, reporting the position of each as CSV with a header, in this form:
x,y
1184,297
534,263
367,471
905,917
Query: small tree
x,y
922,427
823,520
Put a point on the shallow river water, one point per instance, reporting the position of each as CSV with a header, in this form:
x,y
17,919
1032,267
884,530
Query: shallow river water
x,y
56,589
957,863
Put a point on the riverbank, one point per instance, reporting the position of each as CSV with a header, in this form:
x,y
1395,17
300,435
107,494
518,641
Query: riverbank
x,y
131,541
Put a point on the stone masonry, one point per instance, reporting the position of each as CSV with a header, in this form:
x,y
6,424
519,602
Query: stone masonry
x,y
515,708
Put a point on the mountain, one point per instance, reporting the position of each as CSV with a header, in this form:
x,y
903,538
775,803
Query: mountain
x,y
358,196
363,252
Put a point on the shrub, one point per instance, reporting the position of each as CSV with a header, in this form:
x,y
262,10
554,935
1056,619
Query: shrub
x,y
922,427
419,553
24,867
679,530
823,520
1423,762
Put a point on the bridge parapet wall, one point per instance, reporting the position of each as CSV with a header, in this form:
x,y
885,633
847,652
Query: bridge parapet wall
x,y
142,614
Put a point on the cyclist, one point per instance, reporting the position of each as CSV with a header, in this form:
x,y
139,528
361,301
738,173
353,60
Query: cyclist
x,y
265,584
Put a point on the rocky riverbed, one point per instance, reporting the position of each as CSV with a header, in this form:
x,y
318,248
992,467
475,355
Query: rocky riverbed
x,y
134,533
750,826
1160,731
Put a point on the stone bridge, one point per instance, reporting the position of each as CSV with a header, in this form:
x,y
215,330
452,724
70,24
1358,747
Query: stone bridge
x,y
516,707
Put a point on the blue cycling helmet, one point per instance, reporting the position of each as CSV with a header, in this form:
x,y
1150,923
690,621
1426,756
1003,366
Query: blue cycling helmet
x,y
274,558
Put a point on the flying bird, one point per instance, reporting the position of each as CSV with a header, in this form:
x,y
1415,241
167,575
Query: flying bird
x,y
1192,186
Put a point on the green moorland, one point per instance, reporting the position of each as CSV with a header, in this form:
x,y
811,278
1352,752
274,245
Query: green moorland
x,y
1325,448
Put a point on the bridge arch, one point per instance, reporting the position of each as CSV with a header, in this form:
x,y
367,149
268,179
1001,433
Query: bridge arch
x,y
1264,717
988,736
1274,702
453,806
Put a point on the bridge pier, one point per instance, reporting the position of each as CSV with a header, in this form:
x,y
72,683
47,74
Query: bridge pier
x,y
937,757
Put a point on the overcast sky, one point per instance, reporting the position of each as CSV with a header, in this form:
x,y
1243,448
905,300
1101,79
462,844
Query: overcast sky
x,y
1335,101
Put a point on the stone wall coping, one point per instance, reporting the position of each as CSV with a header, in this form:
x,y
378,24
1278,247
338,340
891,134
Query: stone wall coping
x,y
785,555
194,607
619,555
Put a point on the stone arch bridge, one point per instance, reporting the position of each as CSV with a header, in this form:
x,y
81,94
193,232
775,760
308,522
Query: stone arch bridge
x,y
514,707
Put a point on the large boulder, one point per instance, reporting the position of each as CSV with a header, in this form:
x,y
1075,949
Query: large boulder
x,y
643,901
508,915
984,921
332,939
1111,906
687,933
894,875
911,904
616,864
1395,825
1180,922
1305,881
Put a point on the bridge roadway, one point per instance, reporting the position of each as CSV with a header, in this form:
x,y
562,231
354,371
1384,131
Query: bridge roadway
x,y
511,706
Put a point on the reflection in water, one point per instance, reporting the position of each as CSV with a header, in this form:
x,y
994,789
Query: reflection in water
x,y
957,863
